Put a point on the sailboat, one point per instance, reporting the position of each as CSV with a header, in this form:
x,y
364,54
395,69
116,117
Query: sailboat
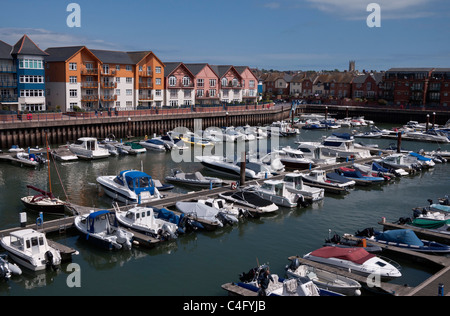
x,y
44,201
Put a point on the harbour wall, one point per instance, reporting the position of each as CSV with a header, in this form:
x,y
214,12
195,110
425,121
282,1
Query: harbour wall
x,y
31,133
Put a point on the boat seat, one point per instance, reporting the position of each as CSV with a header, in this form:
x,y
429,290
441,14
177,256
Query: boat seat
x,y
199,176
290,286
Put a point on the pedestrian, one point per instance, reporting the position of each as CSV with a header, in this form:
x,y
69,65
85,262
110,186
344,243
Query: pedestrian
x,y
264,279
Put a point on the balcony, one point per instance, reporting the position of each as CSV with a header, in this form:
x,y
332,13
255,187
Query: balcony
x,y
145,97
145,73
8,69
145,85
230,85
109,85
108,98
108,72
9,98
89,98
180,85
89,84
89,71
8,84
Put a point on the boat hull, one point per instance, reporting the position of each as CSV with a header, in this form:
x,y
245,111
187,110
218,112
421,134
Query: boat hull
x,y
46,206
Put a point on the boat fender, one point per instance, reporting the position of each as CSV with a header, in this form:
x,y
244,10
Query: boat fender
x,y
233,185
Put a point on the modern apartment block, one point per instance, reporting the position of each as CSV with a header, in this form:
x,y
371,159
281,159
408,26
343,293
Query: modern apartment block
x,y
22,81
102,79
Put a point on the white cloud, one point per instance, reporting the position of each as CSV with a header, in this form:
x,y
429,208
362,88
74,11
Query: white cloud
x,y
390,9
45,38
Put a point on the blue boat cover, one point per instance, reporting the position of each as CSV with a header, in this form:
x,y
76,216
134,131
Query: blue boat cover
x,y
169,216
92,216
377,167
343,135
444,208
419,157
404,236
137,181
337,177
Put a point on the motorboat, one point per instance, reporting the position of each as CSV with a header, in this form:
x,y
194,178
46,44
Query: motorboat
x,y
424,161
357,260
155,144
31,158
313,151
209,217
231,212
64,154
130,148
88,148
193,179
294,183
369,134
162,186
43,201
8,269
430,136
318,178
346,241
249,199
279,286
112,149
231,135
358,177
323,279
275,191
374,169
285,128
130,186
101,228
195,140
403,238
15,149
294,159
342,145
400,161
173,143
30,249
313,125
143,220
222,165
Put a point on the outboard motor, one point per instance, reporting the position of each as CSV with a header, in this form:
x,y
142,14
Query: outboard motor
x,y
50,261
249,276
294,264
368,232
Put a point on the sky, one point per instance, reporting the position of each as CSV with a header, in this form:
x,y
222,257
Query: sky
x,y
265,34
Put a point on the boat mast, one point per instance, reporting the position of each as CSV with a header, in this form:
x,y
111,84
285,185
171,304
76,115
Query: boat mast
x,y
48,164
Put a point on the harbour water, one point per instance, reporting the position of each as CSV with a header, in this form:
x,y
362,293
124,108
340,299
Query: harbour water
x,y
198,263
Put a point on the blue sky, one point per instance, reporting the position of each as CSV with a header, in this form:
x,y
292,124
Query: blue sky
x,y
270,34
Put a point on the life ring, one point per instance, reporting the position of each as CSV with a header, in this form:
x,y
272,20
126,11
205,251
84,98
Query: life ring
x,y
39,221
233,185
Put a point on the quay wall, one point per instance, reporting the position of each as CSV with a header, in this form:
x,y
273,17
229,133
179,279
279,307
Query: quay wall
x,y
31,133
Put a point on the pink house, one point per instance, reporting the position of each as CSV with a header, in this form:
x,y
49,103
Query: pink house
x,y
249,84
230,83
179,83
206,83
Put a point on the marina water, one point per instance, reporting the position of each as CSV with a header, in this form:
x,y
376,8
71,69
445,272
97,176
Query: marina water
x,y
198,263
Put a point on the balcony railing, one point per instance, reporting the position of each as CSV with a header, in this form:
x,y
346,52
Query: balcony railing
x,y
9,98
110,72
180,84
109,85
145,97
89,84
143,73
107,98
145,85
8,84
8,69
89,71
89,98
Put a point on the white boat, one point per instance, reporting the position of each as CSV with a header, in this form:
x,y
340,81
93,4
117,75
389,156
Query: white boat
x,y
313,151
323,279
31,159
130,186
369,134
101,228
294,183
31,250
228,210
87,148
15,149
231,135
210,217
112,149
275,191
342,145
143,219
318,178
193,179
430,136
44,202
400,161
155,144
224,166
63,153
130,148
7,269
357,260
294,159
250,199
173,143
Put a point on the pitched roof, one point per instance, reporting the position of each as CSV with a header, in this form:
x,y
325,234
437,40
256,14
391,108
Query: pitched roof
x,y
196,68
61,53
113,57
410,69
136,57
25,46
5,50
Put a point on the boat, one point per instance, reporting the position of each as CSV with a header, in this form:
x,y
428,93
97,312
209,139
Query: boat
x,y
403,238
323,279
64,154
279,286
424,161
358,177
375,169
222,165
231,212
112,149
369,134
294,159
249,199
314,126
31,158
342,145
130,148
347,242
294,183
193,179
143,220
101,228
357,260
231,135
208,217
320,179
313,151
30,249
429,136
87,148
15,149
195,140
275,191
155,144
130,186
8,269
173,143
43,201
400,161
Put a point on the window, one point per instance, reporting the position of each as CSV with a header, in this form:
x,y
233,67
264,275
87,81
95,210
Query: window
x,y
212,92
31,64
129,92
200,83
158,93
73,79
128,67
200,93
118,79
72,66
117,92
158,81
73,93
186,81
31,93
172,81
158,70
224,82
129,80
251,84
117,67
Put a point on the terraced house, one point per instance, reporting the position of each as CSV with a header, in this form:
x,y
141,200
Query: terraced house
x,y
102,79
22,81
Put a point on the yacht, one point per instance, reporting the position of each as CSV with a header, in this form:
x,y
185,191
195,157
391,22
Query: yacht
x,y
430,136
294,159
276,191
313,151
30,249
130,186
88,148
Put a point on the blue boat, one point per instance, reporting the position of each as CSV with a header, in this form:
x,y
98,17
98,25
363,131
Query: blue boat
x,y
404,238
358,177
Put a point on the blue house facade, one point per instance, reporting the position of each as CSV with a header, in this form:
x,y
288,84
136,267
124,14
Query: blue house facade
x,y
22,76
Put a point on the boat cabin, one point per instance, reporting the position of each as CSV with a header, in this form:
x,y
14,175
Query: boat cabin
x,y
88,143
100,221
136,181
295,180
140,215
276,187
29,241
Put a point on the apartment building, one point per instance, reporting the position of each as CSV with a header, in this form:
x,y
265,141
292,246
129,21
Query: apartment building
x,y
102,79
22,81
179,84
369,86
249,84
230,83
438,93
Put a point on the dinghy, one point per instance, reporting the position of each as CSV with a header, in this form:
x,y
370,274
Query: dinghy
x,y
43,202
329,182
250,199
193,179
8,269
209,217
101,228
323,279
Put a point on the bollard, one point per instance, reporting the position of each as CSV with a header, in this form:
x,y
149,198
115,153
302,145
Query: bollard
x,y
441,289
210,184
